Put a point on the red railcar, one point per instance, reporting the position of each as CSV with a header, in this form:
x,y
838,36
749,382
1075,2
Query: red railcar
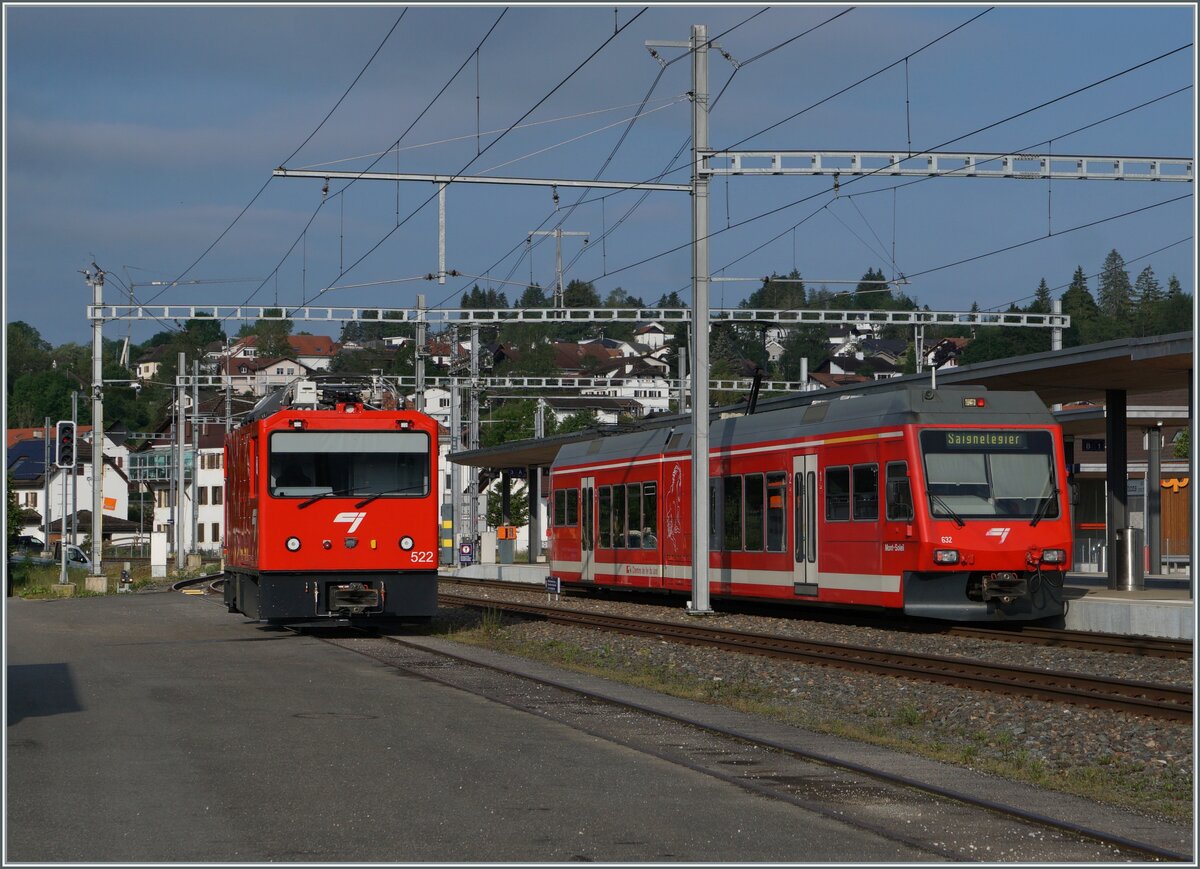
x,y
331,507
948,503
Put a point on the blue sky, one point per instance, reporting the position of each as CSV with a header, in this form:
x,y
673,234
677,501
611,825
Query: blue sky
x,y
135,135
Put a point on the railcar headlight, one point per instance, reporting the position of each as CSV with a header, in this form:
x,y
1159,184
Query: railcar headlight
x,y
406,543
1054,556
293,544
945,556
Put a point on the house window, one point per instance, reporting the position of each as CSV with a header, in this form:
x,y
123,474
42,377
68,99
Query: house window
x,y
200,532
203,495
217,495
216,532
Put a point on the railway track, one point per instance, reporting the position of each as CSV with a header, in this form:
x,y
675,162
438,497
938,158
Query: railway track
x,y
1159,701
1029,634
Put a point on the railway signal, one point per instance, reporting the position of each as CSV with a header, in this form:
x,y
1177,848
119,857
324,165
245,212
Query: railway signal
x,y
64,439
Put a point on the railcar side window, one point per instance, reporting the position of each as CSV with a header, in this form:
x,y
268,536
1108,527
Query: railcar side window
x,y
572,507
866,492
776,512
633,494
560,508
899,493
618,525
650,516
714,515
837,494
606,517
754,512
733,513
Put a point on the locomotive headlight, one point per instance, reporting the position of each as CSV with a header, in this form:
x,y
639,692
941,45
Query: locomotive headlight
x,y
406,543
945,556
293,544
1054,556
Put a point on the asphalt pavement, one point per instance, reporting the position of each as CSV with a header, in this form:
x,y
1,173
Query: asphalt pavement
x,y
160,728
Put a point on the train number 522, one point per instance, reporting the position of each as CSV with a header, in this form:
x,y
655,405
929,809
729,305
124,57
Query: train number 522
x,y
423,557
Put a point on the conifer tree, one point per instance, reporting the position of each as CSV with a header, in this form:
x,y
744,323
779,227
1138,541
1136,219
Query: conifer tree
x,y
1078,304
1149,303
1115,294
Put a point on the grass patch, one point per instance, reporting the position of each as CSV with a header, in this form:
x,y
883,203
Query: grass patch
x,y
1161,790
36,581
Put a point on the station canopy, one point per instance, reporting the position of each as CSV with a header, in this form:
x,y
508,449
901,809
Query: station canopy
x,y
1141,367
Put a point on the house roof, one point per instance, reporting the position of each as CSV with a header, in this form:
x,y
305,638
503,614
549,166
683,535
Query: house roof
x,y
302,345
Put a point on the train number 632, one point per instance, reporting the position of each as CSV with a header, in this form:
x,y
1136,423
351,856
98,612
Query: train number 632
x,y
423,556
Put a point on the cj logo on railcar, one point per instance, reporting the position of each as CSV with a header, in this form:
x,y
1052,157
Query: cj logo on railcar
x,y
355,519
1002,533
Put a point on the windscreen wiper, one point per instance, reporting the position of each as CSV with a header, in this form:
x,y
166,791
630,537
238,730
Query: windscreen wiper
x,y
399,491
957,519
315,498
1044,507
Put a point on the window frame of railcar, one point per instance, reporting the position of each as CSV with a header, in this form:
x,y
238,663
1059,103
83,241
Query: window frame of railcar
x,y
870,505
650,512
830,492
731,508
633,503
776,480
894,485
604,516
715,516
754,519
620,532
572,511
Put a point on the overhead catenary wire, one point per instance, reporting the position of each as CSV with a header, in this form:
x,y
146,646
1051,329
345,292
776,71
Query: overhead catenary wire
x,y
883,168
429,105
294,153
527,250
452,139
551,93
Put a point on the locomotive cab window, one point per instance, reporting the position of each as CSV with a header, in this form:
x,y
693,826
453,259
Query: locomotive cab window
x,y
383,463
978,474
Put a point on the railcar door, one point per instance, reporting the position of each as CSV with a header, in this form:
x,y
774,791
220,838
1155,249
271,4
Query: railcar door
x,y
805,581
587,528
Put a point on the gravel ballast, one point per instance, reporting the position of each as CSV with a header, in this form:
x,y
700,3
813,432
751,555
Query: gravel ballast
x,y
1128,759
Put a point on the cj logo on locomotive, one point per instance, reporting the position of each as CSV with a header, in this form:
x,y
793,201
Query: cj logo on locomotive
x,y
1002,533
355,519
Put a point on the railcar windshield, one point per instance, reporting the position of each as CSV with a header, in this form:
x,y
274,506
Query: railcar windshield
x,y
382,463
980,474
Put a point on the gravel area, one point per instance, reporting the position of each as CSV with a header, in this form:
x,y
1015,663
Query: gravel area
x,y
1131,759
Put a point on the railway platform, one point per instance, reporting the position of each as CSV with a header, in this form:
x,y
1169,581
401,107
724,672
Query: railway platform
x,y
1163,608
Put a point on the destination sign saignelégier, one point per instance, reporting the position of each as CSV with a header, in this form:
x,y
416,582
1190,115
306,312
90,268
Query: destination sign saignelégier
x,y
986,440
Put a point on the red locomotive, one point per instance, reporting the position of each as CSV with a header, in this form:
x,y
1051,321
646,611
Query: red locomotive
x,y
948,503
331,506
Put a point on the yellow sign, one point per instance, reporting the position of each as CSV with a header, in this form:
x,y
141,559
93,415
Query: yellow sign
x,y
1175,484
110,504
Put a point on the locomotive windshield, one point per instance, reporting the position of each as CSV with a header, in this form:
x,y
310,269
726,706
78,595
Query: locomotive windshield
x,y
979,474
384,463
